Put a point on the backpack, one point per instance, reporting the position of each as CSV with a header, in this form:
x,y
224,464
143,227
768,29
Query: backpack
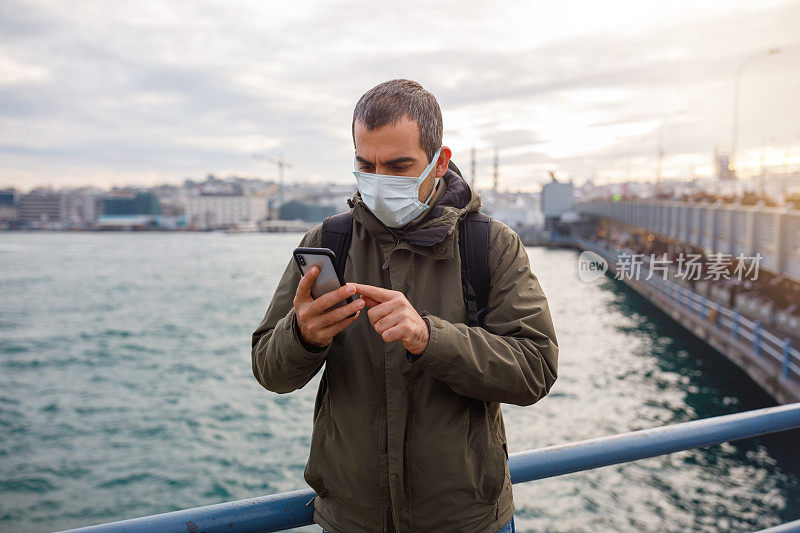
x,y
473,245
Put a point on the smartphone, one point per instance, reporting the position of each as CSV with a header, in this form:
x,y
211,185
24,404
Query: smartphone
x,y
329,278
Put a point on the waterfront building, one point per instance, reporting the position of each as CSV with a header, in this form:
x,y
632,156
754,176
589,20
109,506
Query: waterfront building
x,y
213,211
41,209
8,208
139,210
308,212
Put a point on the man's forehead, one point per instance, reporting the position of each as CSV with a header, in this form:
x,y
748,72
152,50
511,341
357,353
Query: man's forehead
x,y
404,130
404,122
389,142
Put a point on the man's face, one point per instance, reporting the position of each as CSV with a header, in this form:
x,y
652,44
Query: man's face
x,y
396,150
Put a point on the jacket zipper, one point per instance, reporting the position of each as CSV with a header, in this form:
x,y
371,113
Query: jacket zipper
x,y
384,436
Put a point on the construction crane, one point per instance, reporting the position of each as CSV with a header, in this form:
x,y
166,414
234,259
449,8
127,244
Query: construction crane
x,y
282,164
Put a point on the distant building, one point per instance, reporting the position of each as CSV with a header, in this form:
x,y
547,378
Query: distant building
x,y
557,197
209,211
295,210
513,217
81,207
41,209
141,203
8,208
722,167
138,210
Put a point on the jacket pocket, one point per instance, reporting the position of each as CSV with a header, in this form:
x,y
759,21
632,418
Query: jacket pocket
x,y
312,473
495,461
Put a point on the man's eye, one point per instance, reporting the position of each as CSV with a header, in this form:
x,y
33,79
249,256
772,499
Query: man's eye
x,y
402,169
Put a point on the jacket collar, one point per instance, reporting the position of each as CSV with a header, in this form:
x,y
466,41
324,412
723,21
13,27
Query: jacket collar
x,y
431,233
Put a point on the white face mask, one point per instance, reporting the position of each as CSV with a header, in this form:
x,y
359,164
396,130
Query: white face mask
x,y
395,199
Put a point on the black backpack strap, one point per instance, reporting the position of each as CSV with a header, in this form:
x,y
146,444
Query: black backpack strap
x,y
473,244
337,232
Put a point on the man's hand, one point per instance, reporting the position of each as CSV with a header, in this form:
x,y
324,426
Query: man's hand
x,y
394,318
317,325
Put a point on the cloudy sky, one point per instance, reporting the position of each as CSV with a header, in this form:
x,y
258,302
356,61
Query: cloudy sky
x,y
115,93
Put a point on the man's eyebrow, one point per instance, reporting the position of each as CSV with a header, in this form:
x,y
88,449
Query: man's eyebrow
x,y
396,161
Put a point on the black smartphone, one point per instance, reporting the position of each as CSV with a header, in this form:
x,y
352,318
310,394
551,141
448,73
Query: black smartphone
x,y
329,278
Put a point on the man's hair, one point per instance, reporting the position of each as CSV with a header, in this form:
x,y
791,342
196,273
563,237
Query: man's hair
x,y
388,102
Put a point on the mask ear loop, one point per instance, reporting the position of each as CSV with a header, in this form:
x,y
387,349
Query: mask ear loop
x,y
436,181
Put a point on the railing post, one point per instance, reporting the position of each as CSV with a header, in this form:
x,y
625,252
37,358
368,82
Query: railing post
x,y
719,313
787,353
735,326
757,338
703,304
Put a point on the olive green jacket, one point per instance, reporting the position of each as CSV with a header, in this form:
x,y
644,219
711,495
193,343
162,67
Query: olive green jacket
x,y
416,446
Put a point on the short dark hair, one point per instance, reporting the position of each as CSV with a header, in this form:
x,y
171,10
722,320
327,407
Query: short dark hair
x,y
391,100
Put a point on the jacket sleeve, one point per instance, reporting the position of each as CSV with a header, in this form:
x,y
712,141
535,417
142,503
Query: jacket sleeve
x,y
514,359
282,362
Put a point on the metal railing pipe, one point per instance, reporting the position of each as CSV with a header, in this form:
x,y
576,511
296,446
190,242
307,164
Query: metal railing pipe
x,y
276,512
788,527
288,510
604,451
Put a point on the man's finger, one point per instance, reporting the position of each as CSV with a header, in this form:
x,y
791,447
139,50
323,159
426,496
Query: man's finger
x,y
340,313
394,333
381,310
370,302
379,294
390,320
339,326
306,282
329,299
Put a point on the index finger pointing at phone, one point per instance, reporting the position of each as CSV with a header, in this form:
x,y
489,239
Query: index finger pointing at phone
x,y
377,294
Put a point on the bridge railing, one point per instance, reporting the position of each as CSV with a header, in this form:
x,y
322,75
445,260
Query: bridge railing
x,y
761,341
289,510
751,334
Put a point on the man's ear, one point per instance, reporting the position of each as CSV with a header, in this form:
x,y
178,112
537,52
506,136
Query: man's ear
x,y
444,160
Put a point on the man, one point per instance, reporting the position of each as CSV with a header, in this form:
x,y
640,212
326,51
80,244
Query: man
x,y
408,434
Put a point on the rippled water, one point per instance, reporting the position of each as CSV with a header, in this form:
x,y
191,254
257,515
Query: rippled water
x,y
126,390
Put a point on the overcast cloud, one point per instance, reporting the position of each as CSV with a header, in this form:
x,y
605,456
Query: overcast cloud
x,y
112,93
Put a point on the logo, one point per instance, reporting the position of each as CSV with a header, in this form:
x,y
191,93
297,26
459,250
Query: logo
x,y
591,266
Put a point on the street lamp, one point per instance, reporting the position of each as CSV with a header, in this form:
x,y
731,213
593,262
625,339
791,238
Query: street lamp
x,y
661,147
757,55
